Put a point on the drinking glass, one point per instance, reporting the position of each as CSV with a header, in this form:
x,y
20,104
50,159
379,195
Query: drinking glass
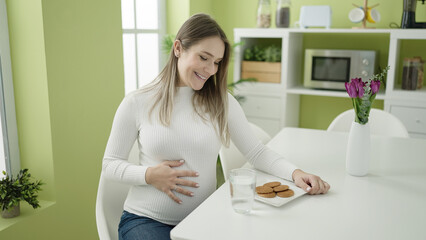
x,y
242,185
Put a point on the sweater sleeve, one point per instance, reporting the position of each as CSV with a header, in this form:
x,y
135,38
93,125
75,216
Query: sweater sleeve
x,y
257,154
124,132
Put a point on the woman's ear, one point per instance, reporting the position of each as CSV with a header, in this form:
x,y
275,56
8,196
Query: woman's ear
x,y
177,48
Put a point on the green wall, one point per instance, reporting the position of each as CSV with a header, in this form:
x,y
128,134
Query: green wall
x,y
31,92
177,13
180,10
68,77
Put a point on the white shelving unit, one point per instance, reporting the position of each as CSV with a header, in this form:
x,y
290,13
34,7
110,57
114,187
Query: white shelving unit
x,y
409,106
276,105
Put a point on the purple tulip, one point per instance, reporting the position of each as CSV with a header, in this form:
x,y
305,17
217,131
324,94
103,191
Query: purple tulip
x,y
375,85
356,80
355,88
351,89
359,86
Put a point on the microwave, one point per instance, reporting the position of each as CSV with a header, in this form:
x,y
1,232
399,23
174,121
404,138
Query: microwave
x,y
331,68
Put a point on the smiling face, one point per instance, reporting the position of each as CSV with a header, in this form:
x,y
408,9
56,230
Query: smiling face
x,y
198,63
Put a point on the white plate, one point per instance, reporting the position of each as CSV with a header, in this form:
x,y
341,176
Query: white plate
x,y
356,15
262,178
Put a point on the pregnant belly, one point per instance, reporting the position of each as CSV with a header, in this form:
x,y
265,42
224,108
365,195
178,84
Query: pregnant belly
x,y
148,201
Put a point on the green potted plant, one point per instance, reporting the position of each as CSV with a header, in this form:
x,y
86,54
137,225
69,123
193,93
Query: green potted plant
x,y
262,63
15,190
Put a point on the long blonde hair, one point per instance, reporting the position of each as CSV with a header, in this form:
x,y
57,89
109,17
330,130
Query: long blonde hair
x,y
212,99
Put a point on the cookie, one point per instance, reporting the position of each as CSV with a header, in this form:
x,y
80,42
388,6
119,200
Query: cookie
x,y
264,189
280,188
272,184
267,195
286,193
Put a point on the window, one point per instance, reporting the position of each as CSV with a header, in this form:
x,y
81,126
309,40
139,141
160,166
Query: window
x,y
9,152
143,23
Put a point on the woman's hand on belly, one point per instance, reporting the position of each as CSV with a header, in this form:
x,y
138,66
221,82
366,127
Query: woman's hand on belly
x,y
166,179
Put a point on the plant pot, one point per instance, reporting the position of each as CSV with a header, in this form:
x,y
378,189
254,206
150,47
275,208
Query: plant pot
x,y
12,212
358,150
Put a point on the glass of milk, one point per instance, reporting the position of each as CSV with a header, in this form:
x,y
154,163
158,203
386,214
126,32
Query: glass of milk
x,y
242,184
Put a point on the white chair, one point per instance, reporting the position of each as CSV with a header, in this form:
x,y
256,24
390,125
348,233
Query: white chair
x,y
231,158
110,201
381,123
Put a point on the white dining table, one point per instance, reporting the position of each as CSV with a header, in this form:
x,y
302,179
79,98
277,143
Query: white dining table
x,y
388,203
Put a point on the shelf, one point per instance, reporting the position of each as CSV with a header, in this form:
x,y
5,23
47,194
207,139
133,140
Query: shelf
x,y
26,211
389,43
339,30
285,32
401,34
328,93
279,32
409,94
261,89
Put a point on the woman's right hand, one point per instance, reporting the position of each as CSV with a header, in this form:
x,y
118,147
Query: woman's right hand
x,y
166,179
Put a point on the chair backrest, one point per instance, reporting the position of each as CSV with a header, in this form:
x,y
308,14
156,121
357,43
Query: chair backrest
x,y
381,123
109,203
232,158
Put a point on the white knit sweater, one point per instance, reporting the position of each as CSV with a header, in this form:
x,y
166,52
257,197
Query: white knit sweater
x,y
188,137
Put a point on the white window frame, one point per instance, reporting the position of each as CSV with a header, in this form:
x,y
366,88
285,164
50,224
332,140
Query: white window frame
x,y
161,31
9,132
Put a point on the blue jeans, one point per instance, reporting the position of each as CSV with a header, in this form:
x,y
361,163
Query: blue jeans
x,y
134,227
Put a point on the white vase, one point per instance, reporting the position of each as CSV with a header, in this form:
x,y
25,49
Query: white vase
x,y
358,150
